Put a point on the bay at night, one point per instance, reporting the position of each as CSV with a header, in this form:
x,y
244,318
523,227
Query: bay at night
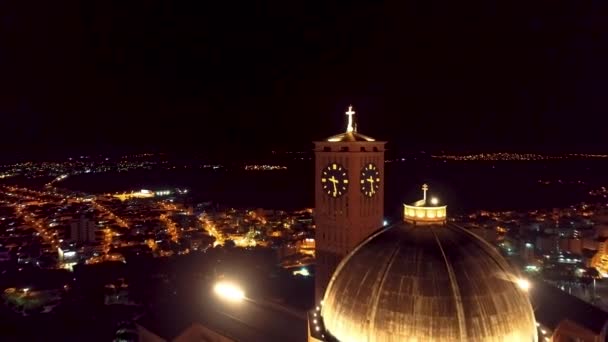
x,y
516,185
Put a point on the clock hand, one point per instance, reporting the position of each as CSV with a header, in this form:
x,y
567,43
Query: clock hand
x,y
371,184
335,182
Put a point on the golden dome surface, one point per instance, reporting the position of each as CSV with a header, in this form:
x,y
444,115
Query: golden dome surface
x,y
426,283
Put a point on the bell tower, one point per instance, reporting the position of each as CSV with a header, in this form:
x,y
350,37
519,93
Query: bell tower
x,y
349,196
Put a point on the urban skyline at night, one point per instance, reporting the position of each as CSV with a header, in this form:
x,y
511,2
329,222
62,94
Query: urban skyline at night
x,y
303,171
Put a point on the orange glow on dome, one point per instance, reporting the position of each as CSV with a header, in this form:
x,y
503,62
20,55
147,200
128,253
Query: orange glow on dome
x,y
437,283
440,283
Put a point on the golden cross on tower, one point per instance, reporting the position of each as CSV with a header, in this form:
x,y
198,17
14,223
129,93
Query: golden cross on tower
x,y
424,190
350,113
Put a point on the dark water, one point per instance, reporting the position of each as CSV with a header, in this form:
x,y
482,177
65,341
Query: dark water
x,y
464,186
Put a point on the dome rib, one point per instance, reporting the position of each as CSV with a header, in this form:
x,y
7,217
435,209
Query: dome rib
x,y
455,290
378,290
354,251
487,248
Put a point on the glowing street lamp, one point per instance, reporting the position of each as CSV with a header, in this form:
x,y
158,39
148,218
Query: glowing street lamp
x,y
229,291
523,284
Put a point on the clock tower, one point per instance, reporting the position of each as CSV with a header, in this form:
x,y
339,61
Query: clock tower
x,y
349,196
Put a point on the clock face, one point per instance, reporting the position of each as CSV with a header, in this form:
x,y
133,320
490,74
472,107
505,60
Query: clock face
x,y
370,180
334,180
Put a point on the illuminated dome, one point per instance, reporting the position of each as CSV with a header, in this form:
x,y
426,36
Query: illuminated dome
x,y
425,282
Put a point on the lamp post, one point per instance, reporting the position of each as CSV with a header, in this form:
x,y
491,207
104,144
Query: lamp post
x,y
523,284
229,291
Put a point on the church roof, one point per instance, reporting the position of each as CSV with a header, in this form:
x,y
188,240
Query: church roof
x,y
349,137
351,134
553,306
195,306
428,283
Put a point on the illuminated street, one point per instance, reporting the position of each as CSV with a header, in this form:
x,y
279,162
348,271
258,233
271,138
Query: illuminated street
x,y
211,230
38,225
165,218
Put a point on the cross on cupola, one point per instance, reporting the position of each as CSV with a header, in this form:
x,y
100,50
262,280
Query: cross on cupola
x,y
350,113
425,188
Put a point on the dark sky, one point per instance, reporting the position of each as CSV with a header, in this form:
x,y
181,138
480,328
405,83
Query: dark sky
x,y
197,75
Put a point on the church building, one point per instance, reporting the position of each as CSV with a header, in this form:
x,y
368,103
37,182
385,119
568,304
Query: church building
x,y
349,196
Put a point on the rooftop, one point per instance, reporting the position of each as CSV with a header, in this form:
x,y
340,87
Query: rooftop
x,y
246,321
349,137
351,134
438,282
552,306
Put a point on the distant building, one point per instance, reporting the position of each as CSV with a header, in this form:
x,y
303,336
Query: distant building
x,y
526,251
83,229
199,241
546,243
565,318
306,246
601,226
193,332
117,294
68,252
5,254
590,243
571,245
600,259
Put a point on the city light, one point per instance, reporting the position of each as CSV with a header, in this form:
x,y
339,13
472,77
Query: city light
x,y
264,167
303,272
229,291
31,216
517,156
523,284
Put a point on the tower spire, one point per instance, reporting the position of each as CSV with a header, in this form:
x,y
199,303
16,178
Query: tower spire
x,y
350,113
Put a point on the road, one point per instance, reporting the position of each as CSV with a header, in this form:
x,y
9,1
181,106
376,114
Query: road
x,y
107,211
37,224
211,230
29,218
171,226
43,197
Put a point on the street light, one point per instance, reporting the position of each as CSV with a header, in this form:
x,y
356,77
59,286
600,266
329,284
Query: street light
x,y
523,284
229,291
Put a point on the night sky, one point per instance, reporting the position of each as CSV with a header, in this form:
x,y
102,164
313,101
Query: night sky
x,y
116,75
